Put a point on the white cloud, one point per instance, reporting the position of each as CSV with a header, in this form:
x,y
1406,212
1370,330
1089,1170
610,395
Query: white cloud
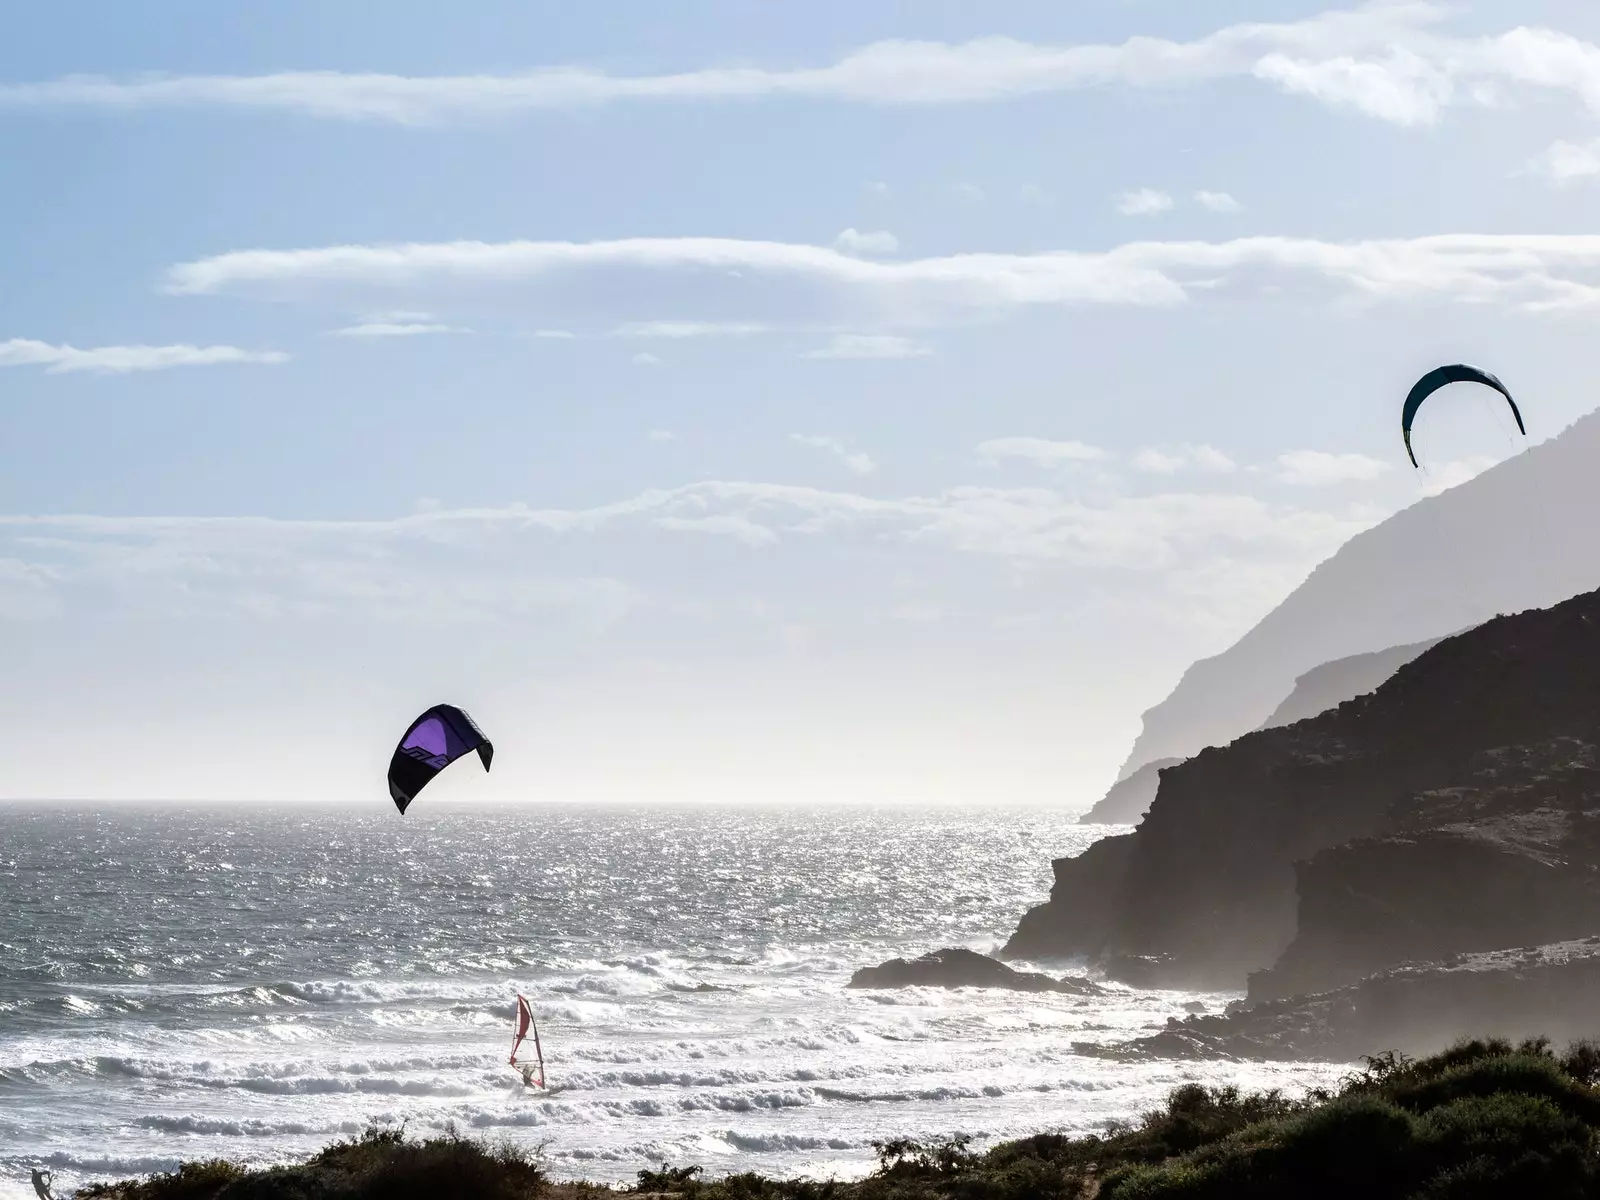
x,y
645,359
119,360
969,191
1351,57
1032,193
860,464
798,282
562,335
1217,202
690,329
880,242
734,525
1040,450
1565,161
662,435
382,329
871,345
1400,87
1169,460
1144,533
1143,202
1315,468
876,187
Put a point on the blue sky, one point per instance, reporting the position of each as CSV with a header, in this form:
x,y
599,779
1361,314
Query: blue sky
x,y
870,401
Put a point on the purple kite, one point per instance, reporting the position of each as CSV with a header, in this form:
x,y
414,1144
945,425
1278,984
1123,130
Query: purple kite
x,y
435,740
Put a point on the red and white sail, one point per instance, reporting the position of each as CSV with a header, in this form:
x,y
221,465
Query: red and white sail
x,y
520,1026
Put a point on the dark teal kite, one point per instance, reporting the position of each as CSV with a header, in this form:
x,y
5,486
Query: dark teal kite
x,y
1442,377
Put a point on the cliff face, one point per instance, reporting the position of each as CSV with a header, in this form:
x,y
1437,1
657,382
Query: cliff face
x,y
1496,544
1331,684
1129,799
1454,808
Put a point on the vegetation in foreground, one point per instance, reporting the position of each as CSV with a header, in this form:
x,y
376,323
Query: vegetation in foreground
x,y
1485,1119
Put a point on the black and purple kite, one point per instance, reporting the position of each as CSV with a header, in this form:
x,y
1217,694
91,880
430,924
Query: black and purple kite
x,y
435,740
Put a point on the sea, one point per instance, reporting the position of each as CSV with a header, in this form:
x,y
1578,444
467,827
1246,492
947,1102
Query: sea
x,y
254,982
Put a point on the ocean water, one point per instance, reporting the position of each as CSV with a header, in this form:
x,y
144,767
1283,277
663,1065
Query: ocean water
x,y
251,982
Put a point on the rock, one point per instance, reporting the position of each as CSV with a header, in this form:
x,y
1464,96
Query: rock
x,y
1454,810
1551,990
1331,684
1129,799
954,968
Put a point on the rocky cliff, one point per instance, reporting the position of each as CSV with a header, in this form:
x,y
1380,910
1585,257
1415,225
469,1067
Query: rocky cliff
x,y
1315,692
1331,684
1457,808
1503,542
1129,799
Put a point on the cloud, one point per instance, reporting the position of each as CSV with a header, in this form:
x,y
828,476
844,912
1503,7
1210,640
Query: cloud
x,y
734,525
1565,161
562,335
795,283
1040,450
1400,87
358,560
690,329
661,435
382,329
1170,460
860,464
1217,202
121,360
645,359
871,345
1314,468
881,242
1143,203
876,187
969,191
1354,58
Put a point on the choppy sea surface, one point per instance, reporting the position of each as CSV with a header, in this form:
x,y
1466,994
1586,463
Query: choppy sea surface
x,y
256,982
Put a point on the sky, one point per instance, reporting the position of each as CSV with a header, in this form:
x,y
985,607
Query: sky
x,y
878,402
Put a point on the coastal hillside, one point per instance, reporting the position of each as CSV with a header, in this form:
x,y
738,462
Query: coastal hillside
x,y
1455,809
1331,684
1318,690
1503,542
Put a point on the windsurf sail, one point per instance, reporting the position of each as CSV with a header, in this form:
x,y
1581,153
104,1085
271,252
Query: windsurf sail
x,y
520,1026
41,1184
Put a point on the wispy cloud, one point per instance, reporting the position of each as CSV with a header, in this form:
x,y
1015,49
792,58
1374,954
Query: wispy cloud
x,y
662,435
1040,450
1383,60
792,283
871,345
1217,202
1565,161
645,359
678,330
852,241
1143,202
121,360
1145,533
387,329
1316,468
1169,460
859,463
